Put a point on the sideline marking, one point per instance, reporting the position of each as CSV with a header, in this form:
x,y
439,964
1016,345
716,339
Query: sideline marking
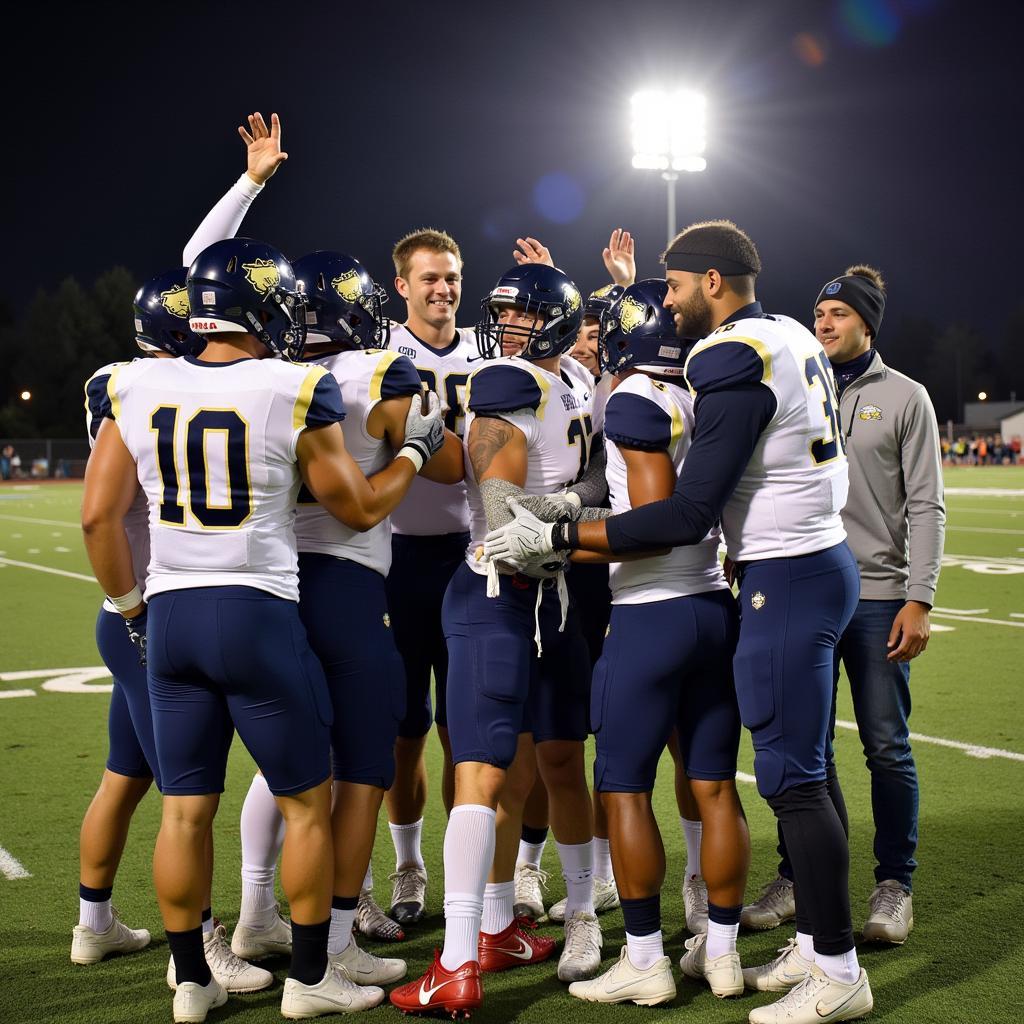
x,y
974,492
744,777
46,568
40,522
12,868
969,618
970,749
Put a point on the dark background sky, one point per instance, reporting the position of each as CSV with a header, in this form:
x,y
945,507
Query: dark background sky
x,y
891,136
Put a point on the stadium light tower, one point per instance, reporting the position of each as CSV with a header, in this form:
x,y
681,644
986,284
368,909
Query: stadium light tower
x,y
668,136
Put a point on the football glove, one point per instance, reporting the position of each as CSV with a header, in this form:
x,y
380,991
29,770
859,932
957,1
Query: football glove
x,y
137,634
424,431
524,540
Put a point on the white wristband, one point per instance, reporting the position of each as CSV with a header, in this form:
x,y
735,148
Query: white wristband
x,y
130,600
412,455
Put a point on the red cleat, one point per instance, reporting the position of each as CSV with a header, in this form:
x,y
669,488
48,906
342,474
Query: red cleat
x,y
453,992
513,947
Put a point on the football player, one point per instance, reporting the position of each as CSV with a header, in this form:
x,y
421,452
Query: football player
x,y
768,460
221,443
529,428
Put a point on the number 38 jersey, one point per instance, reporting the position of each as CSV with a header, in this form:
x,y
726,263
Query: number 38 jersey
x,y
215,448
431,509
788,500
555,413
366,377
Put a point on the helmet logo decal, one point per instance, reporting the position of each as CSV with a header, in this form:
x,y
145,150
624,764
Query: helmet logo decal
x,y
572,299
263,275
347,285
631,313
600,293
175,301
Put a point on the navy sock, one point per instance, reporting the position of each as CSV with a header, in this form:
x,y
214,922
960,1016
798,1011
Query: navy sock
x,y
94,895
207,914
533,836
189,957
309,952
642,916
724,915
344,902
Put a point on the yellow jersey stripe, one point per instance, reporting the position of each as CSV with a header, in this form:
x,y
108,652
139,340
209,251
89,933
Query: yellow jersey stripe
x,y
115,401
377,380
305,396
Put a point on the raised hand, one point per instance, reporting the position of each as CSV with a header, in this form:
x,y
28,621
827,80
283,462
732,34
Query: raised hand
x,y
532,251
619,258
263,147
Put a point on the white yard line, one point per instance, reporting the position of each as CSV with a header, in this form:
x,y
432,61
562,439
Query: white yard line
x,y
967,510
744,777
41,522
974,618
971,749
12,868
976,492
999,559
983,529
46,568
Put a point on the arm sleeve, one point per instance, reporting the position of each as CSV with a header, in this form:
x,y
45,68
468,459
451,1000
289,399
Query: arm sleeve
x,y
97,404
224,220
728,425
592,487
921,458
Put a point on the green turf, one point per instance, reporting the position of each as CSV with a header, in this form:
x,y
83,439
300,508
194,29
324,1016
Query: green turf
x,y
963,963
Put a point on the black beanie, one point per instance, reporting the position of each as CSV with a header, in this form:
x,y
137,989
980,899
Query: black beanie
x,y
860,294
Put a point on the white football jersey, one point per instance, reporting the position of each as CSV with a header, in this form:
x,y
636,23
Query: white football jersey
x,y
136,522
430,508
655,415
790,495
365,376
214,444
554,412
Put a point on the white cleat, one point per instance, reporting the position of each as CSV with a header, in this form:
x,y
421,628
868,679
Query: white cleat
x,y
695,904
624,983
528,900
724,974
817,1000
581,954
192,1001
335,993
89,947
257,943
775,905
892,914
232,972
372,922
366,969
787,970
606,897
409,895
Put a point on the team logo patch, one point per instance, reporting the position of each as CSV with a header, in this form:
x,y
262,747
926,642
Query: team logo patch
x,y
387,620
506,291
572,299
600,293
263,275
757,600
869,412
175,301
631,314
831,289
347,285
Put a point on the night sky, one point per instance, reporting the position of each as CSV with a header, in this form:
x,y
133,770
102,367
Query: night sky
x,y
862,130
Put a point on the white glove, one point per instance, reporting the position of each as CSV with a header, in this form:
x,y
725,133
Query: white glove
x,y
526,539
424,431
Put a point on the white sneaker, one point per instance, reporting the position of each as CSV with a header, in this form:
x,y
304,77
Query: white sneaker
x,y
892,914
409,895
528,900
89,947
372,922
192,1001
366,969
232,972
257,943
695,904
606,897
623,983
776,904
785,971
335,993
818,999
581,954
723,974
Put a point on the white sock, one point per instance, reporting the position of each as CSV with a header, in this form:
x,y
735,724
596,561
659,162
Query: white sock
x,y
262,828
407,845
530,853
721,939
691,833
468,853
341,930
805,943
498,897
843,967
603,860
95,915
208,924
578,871
644,950
368,878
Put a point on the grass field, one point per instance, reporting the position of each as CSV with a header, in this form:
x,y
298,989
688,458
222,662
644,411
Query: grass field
x,y
963,963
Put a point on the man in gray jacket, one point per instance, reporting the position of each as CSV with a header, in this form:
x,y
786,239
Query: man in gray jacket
x,y
895,522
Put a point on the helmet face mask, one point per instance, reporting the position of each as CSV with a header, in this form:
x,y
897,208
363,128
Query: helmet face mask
x,y
161,311
637,332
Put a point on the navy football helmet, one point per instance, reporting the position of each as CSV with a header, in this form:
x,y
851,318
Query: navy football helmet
x,y
601,299
240,284
343,303
539,289
638,332
161,316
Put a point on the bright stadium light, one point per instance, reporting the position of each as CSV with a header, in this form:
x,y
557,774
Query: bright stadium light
x,y
26,395
668,133
982,395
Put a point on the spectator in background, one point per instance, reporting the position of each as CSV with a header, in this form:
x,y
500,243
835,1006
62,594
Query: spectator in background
x,y
6,455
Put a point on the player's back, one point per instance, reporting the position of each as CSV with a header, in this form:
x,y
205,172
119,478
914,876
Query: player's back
x,y
215,445
365,377
788,500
